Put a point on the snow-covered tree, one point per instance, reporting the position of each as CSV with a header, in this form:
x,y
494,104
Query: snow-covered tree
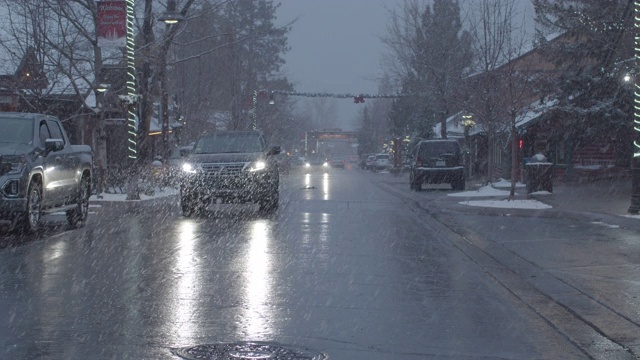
x,y
430,54
592,42
499,86
229,51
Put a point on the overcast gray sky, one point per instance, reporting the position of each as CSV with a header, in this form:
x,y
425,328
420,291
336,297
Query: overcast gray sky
x,y
335,46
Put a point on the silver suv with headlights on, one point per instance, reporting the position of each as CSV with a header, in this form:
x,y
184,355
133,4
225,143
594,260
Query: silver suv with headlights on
x,y
233,166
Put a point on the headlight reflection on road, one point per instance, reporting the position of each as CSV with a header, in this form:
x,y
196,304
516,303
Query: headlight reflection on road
x,y
307,185
258,282
186,289
325,186
52,277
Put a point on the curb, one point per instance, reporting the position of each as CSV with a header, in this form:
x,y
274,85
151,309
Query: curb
x,y
452,206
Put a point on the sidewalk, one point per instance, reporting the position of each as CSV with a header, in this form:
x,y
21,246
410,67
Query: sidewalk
x,y
611,197
605,201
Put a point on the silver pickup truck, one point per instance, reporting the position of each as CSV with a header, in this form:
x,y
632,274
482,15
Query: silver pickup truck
x,y
41,172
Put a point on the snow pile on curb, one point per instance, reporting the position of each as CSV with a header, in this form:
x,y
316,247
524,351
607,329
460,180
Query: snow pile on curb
x,y
123,197
491,191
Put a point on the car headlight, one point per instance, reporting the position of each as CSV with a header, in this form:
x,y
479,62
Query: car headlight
x,y
188,168
325,164
12,165
307,165
257,166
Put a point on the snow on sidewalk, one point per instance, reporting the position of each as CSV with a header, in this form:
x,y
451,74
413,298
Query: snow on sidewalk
x,y
491,191
123,197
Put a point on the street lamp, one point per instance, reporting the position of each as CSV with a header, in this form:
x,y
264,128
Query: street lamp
x,y
101,88
171,15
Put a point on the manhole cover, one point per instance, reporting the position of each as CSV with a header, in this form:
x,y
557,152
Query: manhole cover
x,y
247,351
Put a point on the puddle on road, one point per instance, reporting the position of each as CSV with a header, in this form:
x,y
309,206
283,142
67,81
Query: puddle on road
x,y
247,350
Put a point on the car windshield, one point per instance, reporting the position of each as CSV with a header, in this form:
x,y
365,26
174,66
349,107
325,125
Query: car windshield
x,y
360,179
17,131
229,143
315,159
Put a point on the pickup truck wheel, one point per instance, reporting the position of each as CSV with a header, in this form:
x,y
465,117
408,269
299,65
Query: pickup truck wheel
x,y
81,212
413,184
458,184
32,219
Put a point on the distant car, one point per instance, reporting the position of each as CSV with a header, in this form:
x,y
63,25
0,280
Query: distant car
x,y
316,162
371,159
296,162
437,162
382,162
337,163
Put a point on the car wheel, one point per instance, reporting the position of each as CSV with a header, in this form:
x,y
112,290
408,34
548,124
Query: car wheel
x,y
413,185
81,212
458,184
32,220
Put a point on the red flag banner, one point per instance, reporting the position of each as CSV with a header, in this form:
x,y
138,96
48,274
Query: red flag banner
x,y
112,23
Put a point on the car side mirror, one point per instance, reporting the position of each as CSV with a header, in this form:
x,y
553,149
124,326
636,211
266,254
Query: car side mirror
x,y
274,150
53,145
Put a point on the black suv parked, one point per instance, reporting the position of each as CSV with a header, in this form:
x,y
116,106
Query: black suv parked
x,y
437,162
234,166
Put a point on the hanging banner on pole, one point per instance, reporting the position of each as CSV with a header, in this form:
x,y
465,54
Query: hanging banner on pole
x,y
112,23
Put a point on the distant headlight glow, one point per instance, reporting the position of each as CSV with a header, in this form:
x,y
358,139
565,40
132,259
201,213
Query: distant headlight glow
x,y
326,164
307,165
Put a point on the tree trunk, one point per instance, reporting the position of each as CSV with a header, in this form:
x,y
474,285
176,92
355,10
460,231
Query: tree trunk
x,y
489,176
514,157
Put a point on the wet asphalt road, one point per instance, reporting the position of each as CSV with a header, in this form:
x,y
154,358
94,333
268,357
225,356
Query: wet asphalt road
x,y
344,268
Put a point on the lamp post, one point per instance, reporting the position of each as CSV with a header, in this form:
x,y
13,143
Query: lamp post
x,y
468,123
635,160
100,141
170,17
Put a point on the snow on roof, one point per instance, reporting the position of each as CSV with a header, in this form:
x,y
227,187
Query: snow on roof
x,y
533,111
455,127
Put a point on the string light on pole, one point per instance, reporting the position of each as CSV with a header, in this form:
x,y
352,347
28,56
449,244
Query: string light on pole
x,y
131,97
635,160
